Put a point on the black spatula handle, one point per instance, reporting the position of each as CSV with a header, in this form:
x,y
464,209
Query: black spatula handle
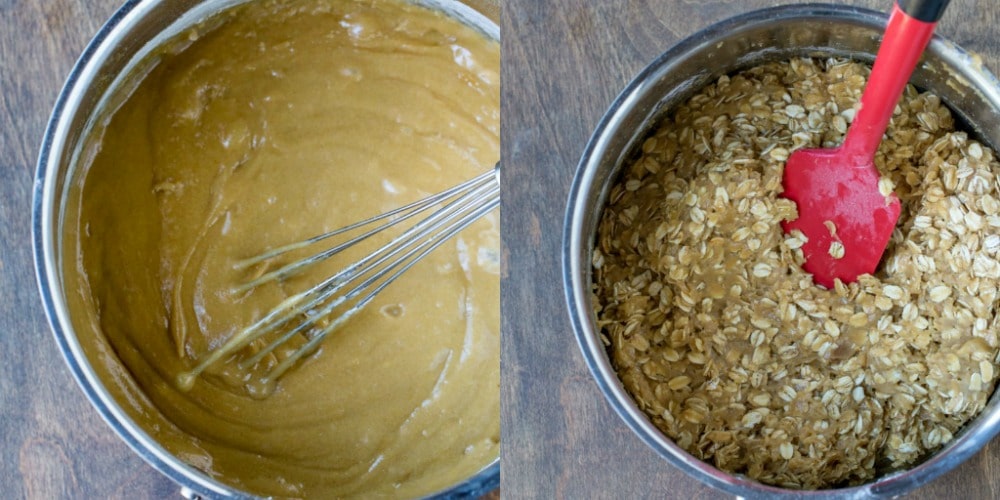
x,y
928,11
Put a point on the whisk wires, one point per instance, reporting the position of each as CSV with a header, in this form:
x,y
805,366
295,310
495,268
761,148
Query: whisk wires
x,y
353,287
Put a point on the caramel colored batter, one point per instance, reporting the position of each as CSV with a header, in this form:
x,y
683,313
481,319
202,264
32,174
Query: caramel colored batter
x,y
284,120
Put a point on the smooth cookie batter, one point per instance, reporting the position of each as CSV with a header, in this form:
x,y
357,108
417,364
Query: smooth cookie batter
x,y
284,120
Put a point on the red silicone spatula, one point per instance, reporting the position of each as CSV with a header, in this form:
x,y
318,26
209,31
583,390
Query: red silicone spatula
x,y
846,219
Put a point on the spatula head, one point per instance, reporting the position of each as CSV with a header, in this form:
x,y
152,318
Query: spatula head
x,y
840,208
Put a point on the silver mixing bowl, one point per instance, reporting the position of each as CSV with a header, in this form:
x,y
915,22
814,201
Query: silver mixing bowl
x,y
101,78
738,43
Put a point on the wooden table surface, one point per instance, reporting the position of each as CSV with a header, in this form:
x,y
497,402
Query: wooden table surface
x,y
564,61
561,439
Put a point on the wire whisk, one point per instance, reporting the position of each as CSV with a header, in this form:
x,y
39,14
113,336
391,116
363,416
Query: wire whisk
x,y
353,287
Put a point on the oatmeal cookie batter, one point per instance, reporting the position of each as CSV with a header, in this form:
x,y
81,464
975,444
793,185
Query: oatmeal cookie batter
x,y
278,121
726,343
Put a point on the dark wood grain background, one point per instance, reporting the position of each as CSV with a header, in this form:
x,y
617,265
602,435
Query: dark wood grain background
x,y
564,61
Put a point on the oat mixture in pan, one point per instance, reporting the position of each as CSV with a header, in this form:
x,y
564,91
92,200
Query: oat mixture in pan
x,y
723,339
